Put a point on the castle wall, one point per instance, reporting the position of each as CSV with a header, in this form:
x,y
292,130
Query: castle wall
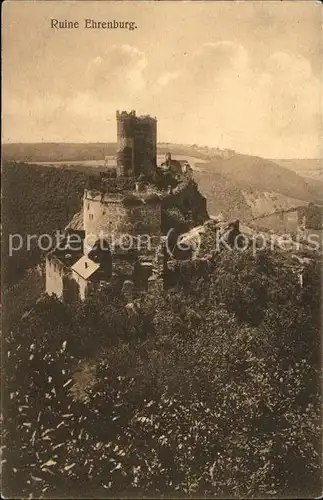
x,y
107,216
190,202
103,215
126,156
60,280
145,219
84,286
280,222
54,277
291,221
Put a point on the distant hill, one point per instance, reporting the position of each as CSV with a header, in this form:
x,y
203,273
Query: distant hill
x,y
259,173
306,167
52,152
240,185
223,195
236,202
55,151
253,186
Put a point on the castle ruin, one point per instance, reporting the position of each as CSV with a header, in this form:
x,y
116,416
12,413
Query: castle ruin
x,y
130,202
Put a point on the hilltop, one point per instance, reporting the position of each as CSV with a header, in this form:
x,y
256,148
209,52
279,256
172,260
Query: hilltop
x,y
55,151
306,167
249,186
239,185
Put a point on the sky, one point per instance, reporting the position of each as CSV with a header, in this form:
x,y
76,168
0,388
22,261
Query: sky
x,y
240,75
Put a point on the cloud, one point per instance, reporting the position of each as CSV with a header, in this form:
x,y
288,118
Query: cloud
x,y
120,69
224,97
227,55
167,77
280,62
91,94
293,95
218,95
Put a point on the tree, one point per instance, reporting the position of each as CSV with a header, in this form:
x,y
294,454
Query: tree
x,y
195,397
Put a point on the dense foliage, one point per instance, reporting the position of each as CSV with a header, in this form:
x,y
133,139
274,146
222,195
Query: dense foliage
x,y
38,200
211,389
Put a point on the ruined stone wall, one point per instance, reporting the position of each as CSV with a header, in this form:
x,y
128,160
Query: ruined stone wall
x,y
126,157
103,214
291,221
84,286
60,280
145,218
55,273
111,216
190,204
279,222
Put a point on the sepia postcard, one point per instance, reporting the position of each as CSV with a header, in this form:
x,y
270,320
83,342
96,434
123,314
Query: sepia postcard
x,y
162,219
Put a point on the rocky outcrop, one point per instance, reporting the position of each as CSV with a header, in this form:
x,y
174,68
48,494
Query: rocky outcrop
x,y
185,207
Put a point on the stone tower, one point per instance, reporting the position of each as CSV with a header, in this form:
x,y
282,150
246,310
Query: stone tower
x,y
137,145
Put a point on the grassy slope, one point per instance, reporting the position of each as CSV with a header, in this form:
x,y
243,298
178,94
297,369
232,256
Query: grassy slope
x,y
246,186
252,172
246,172
306,167
223,195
